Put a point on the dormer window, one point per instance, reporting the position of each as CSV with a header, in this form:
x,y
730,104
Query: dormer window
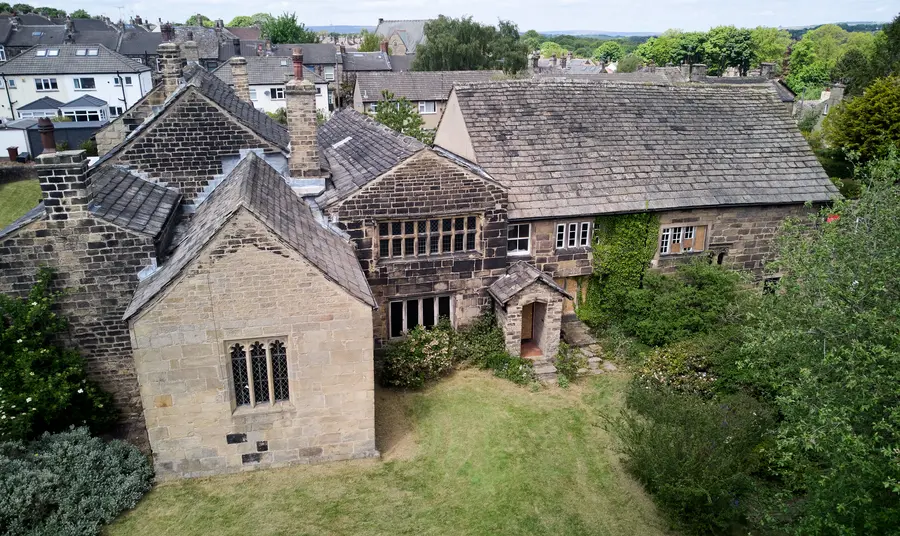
x,y
81,52
53,52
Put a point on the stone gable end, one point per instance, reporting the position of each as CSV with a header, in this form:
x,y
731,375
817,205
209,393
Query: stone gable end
x,y
184,146
247,285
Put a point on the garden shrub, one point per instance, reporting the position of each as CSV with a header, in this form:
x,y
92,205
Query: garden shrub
x,y
68,484
696,457
568,362
683,367
43,387
479,341
89,147
425,354
514,369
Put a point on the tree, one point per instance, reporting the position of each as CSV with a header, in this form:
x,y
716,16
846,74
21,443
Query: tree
x,y
867,57
826,351
259,19
660,50
532,40
629,64
369,42
402,116
241,21
286,29
609,51
769,45
688,48
549,48
80,14
867,125
22,8
727,46
50,12
463,44
5,8
199,20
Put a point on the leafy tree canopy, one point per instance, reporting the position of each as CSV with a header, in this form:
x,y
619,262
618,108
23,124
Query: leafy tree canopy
x,y
769,45
532,40
727,46
241,21
402,116
286,29
609,51
23,8
463,44
369,42
80,14
549,48
199,20
630,63
867,125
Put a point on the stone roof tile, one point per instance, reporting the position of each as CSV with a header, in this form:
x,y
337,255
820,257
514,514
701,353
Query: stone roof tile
x,y
417,85
130,201
518,277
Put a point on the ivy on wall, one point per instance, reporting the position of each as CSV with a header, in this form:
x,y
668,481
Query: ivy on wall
x,y
623,247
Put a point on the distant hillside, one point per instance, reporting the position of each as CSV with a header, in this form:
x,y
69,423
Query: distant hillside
x,y
341,29
598,34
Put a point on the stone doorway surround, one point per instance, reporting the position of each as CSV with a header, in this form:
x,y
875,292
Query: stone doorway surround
x,y
524,287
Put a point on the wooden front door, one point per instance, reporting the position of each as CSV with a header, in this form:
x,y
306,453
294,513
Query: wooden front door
x,y
528,322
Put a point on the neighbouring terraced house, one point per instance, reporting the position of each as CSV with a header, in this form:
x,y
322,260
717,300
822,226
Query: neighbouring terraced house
x,y
225,270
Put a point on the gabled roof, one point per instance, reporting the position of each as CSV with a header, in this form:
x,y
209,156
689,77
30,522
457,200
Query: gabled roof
x,y
30,19
267,70
135,42
91,25
43,103
85,101
258,188
519,276
130,201
313,53
411,32
577,148
417,85
68,60
107,38
248,33
366,61
359,150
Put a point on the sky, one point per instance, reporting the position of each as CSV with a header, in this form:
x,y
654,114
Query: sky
x,y
542,15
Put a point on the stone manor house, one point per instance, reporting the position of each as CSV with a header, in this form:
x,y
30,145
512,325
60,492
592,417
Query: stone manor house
x,y
230,277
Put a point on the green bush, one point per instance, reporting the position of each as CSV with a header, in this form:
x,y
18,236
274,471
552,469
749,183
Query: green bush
x,y
68,484
698,298
514,369
683,367
43,387
630,63
479,341
568,362
695,457
424,355
89,147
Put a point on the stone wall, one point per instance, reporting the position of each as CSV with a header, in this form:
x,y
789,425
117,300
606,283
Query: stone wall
x,y
118,129
428,186
228,294
509,318
184,147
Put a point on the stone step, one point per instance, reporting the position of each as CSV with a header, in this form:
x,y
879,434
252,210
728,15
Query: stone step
x,y
545,372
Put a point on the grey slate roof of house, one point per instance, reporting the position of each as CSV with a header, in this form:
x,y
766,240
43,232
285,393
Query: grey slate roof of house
x,y
31,19
130,201
411,32
67,62
90,25
207,39
5,29
43,103
267,70
366,61
418,85
358,150
402,63
27,36
139,42
588,74
575,148
85,101
255,186
517,278
107,38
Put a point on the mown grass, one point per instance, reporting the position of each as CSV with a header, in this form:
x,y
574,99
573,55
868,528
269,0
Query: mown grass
x,y
17,198
470,455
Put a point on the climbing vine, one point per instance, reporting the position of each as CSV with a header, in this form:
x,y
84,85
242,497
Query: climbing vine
x,y
623,248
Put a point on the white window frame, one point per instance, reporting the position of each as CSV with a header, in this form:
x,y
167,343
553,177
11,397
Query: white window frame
x,y
79,82
419,301
116,111
573,235
2,53
274,91
328,73
677,234
11,83
253,400
373,107
518,239
93,51
48,82
253,94
423,107
86,114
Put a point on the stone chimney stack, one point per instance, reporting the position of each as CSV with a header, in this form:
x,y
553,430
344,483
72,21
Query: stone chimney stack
x,y
65,185
685,72
553,61
569,56
70,26
535,58
300,96
138,21
168,32
767,70
170,67
236,43
698,72
384,46
240,77
563,61
191,50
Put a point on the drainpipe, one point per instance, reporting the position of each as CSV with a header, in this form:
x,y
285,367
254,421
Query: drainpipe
x,y
141,86
122,85
8,97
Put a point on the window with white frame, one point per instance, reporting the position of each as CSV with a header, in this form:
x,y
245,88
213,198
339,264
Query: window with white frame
x,y
426,107
328,73
259,371
407,314
46,84
573,235
423,238
682,239
2,53
85,83
85,115
11,83
373,107
518,239
277,93
118,81
252,93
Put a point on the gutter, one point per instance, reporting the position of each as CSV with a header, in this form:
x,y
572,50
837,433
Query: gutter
x,y
122,85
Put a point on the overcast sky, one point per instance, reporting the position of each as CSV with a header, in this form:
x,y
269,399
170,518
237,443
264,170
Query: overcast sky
x,y
545,15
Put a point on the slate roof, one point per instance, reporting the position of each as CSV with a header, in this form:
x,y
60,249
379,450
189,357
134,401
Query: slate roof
x,y
257,187
91,25
107,38
5,29
417,85
518,277
267,70
138,42
313,53
411,32
85,101
67,62
574,148
366,61
130,201
359,150
402,63
43,103
27,36
30,19
207,39
248,33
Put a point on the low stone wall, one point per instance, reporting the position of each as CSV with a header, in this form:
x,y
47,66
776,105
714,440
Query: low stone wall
x,y
13,171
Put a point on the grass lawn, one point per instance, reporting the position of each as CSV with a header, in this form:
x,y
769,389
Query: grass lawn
x,y
17,198
473,454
